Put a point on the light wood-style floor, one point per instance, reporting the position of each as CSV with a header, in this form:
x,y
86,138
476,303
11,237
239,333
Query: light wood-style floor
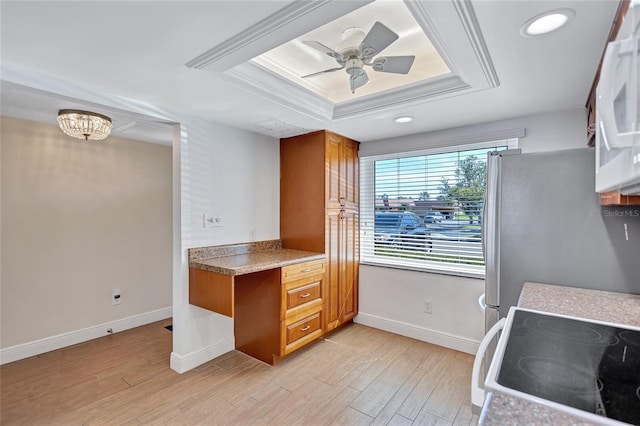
x,y
357,376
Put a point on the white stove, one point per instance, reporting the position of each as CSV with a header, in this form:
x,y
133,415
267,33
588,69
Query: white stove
x,y
588,369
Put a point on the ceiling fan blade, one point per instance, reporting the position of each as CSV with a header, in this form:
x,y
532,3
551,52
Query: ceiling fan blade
x,y
323,72
378,38
394,64
359,80
324,49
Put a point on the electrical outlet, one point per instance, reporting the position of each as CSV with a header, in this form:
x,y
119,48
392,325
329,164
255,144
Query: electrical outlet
x,y
211,221
116,296
427,306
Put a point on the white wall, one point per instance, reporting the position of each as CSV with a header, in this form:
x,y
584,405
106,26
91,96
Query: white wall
x,y
392,299
79,219
544,132
234,174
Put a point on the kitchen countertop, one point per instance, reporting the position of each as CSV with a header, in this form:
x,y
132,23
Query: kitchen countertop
x,y
501,409
239,259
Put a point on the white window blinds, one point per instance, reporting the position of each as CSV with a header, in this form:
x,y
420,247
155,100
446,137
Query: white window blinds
x,y
423,209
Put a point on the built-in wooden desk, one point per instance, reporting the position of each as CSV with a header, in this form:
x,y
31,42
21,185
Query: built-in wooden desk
x,y
273,294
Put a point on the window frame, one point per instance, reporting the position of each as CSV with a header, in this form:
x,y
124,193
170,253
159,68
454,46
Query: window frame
x,y
367,212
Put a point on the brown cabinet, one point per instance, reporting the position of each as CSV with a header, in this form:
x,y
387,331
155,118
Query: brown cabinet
x,y
275,296
276,311
342,183
319,211
617,199
301,305
341,303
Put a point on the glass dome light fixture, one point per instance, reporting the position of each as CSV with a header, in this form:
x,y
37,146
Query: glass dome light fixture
x,y
84,124
546,22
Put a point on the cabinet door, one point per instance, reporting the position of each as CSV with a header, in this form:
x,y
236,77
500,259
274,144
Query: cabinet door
x,y
341,303
331,292
350,179
342,184
349,257
333,159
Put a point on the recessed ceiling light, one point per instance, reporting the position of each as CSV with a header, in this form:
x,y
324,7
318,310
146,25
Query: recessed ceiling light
x,y
546,22
403,119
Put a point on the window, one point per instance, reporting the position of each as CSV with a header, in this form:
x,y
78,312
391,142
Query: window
x,y
423,210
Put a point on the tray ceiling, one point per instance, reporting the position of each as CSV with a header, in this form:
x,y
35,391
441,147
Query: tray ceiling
x,y
295,59
424,25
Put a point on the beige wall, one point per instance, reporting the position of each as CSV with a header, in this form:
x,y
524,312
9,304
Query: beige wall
x,y
79,219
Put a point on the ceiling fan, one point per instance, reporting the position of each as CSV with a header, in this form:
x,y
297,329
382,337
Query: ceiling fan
x,y
353,59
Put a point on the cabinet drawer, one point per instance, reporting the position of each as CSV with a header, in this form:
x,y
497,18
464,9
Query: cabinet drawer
x,y
303,328
301,295
302,270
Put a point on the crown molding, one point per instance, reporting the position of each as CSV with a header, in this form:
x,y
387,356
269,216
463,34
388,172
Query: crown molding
x,y
263,28
275,88
416,92
293,20
426,22
476,40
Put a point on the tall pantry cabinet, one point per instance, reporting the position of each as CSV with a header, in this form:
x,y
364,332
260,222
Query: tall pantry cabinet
x,y
319,211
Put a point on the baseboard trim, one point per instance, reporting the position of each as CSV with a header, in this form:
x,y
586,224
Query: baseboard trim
x,y
440,338
37,347
183,363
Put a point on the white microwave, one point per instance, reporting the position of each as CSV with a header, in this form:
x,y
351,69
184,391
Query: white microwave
x,y
618,110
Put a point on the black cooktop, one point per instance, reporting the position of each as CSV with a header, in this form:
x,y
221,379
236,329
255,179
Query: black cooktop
x,y
588,366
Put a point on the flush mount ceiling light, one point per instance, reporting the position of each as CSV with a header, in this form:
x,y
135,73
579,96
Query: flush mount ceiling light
x,y
84,124
403,119
546,22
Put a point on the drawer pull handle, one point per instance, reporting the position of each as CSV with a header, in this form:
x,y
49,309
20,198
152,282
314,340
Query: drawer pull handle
x,y
303,296
306,270
305,328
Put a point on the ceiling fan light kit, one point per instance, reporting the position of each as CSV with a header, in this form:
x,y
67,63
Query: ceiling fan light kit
x,y
354,59
354,66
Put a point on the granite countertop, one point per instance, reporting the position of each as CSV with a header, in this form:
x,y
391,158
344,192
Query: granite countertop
x,y
254,262
501,409
620,308
245,258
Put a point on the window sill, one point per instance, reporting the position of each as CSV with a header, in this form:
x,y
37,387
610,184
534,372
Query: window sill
x,y
463,274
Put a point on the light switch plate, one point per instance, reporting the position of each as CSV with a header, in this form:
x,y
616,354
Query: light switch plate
x,y
211,221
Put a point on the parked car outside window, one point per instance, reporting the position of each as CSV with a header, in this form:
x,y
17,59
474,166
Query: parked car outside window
x,y
433,217
403,230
